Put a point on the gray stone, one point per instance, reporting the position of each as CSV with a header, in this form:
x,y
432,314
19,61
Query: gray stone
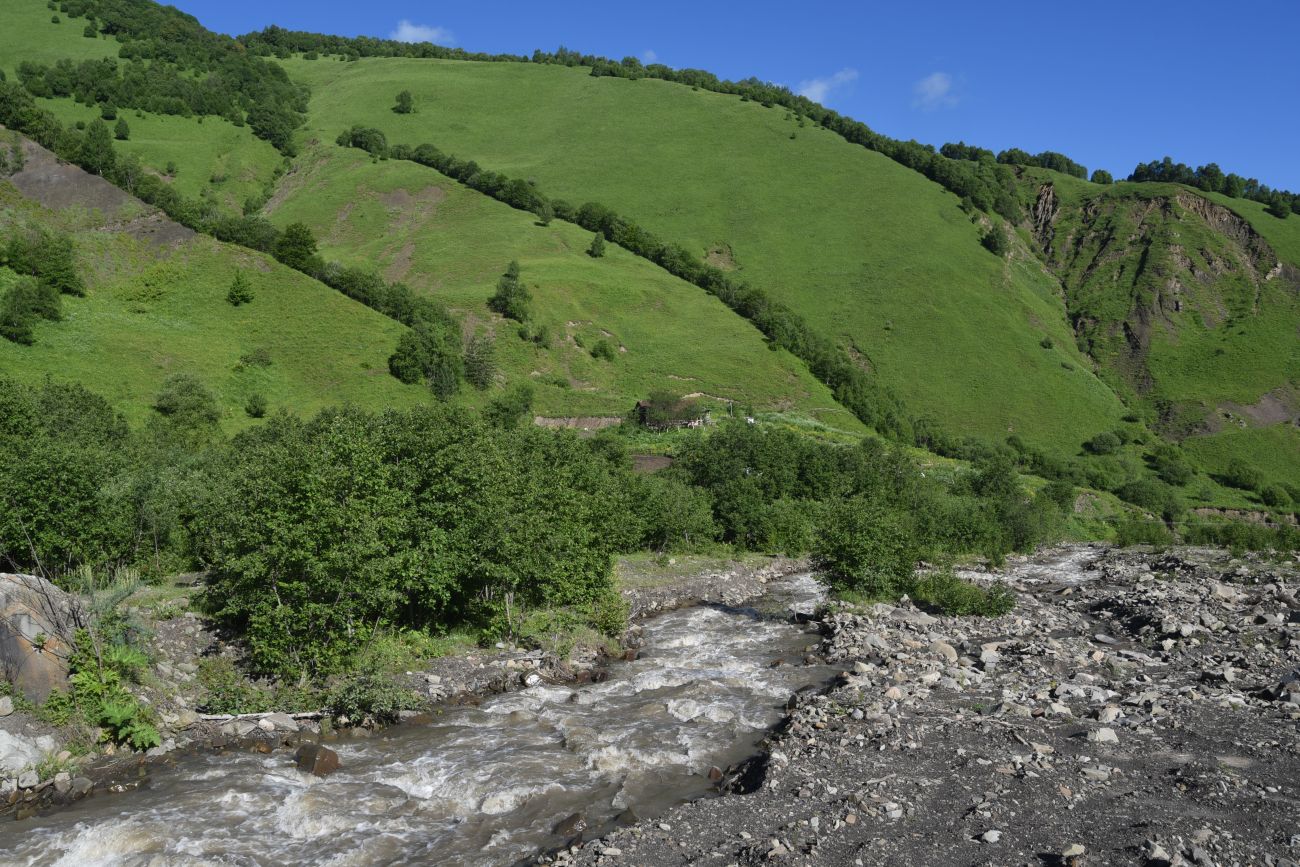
x,y
1104,735
37,622
28,780
282,722
6,705
944,650
17,753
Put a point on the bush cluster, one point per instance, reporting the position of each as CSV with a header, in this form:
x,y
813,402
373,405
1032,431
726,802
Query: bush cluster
x,y
47,262
171,64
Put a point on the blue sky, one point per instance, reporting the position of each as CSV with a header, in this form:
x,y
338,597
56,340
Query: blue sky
x,y
1108,83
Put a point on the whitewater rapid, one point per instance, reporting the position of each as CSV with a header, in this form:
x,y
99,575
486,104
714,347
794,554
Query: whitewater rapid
x,y
482,785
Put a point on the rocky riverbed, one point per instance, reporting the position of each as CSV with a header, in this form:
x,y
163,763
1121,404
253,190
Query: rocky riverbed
x,y
1135,708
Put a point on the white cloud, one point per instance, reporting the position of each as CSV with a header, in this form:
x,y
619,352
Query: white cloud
x,y
817,89
934,91
649,56
408,32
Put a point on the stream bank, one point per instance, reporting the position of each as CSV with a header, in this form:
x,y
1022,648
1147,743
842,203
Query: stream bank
x,y
481,783
181,638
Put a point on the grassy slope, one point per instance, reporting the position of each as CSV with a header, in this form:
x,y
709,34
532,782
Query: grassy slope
x,y
213,157
1276,449
26,33
150,313
215,148
436,235
868,251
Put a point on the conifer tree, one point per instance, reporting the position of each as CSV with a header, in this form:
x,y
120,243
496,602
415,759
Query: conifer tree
x,y
240,292
512,299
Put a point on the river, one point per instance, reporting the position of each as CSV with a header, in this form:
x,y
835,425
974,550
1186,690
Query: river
x,y
482,785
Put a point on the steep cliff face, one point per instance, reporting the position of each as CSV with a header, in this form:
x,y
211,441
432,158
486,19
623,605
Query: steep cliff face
x,y
1170,292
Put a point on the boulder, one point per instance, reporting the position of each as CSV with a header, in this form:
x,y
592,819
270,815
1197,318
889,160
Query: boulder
x,y
17,754
316,759
281,722
37,623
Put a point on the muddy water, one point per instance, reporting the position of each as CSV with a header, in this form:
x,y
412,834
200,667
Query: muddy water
x,y
484,785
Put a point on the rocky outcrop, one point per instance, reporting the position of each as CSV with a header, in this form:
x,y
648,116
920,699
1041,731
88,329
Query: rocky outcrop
x,y
37,625
59,185
1143,269
1044,213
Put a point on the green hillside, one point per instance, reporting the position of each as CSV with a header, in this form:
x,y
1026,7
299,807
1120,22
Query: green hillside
x,y
667,334
1135,311
866,250
213,158
437,236
29,34
151,311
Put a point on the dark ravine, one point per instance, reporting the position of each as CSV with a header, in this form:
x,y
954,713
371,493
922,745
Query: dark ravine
x,y
1137,708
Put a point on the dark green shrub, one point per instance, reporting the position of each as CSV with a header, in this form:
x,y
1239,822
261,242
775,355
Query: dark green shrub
x,y
61,449
510,408
1060,492
597,248
296,247
1154,496
27,302
228,691
1274,496
949,595
1104,443
321,532
1133,530
995,241
185,400
371,140
1171,465
865,547
47,256
605,350
1242,475
255,406
673,515
368,696
512,299
480,361
260,357
432,354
